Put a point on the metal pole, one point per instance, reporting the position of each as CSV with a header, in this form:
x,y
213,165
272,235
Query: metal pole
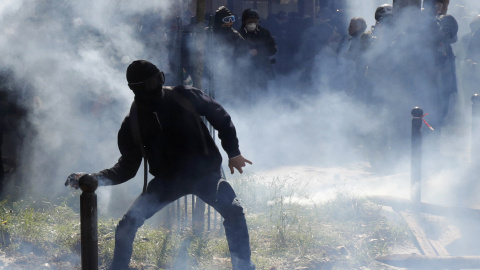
x,y
214,220
186,212
179,51
170,210
211,93
208,214
180,59
475,129
193,212
178,214
198,220
89,223
416,165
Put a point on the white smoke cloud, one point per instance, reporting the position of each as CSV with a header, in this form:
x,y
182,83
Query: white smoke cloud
x,y
74,55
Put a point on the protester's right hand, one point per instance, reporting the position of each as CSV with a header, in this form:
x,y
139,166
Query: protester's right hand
x,y
238,163
72,179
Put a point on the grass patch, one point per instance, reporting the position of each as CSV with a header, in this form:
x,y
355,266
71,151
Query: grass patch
x,y
347,232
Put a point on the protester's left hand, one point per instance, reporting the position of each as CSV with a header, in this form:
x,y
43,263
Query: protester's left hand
x,y
238,163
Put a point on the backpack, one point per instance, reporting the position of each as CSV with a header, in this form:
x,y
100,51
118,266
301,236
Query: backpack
x,y
135,127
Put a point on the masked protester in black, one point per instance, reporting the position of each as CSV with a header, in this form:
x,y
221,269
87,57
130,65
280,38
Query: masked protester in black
x,y
262,47
225,56
180,156
225,34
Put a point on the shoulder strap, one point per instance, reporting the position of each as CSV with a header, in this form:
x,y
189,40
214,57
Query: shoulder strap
x,y
137,137
188,106
180,99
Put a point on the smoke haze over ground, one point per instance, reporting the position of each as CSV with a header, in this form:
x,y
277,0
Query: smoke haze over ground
x,y
72,55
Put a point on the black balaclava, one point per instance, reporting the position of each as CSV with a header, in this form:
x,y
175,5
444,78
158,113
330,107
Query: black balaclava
x,y
142,79
221,13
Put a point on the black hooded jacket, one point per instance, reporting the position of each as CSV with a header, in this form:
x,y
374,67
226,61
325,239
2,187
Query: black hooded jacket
x,y
173,142
263,42
227,36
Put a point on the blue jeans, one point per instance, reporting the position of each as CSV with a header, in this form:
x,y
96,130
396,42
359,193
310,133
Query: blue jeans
x,y
212,189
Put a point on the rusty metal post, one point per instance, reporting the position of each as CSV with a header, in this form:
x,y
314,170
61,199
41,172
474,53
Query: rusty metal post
x,y
416,165
475,146
89,222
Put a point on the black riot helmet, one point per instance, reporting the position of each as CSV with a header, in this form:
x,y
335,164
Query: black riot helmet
x,y
250,14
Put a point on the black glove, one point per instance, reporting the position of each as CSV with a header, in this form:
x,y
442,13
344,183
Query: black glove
x,y
72,179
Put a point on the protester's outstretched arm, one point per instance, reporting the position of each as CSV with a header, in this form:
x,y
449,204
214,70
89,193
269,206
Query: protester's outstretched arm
x,y
238,163
74,178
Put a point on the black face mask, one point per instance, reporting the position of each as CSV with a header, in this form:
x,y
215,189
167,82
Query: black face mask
x,y
148,91
147,96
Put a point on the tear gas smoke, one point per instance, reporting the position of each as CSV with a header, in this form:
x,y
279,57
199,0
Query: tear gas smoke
x,y
73,56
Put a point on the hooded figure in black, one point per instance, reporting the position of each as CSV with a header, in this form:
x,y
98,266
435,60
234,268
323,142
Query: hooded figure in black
x,y
261,47
182,157
222,27
226,55
227,37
